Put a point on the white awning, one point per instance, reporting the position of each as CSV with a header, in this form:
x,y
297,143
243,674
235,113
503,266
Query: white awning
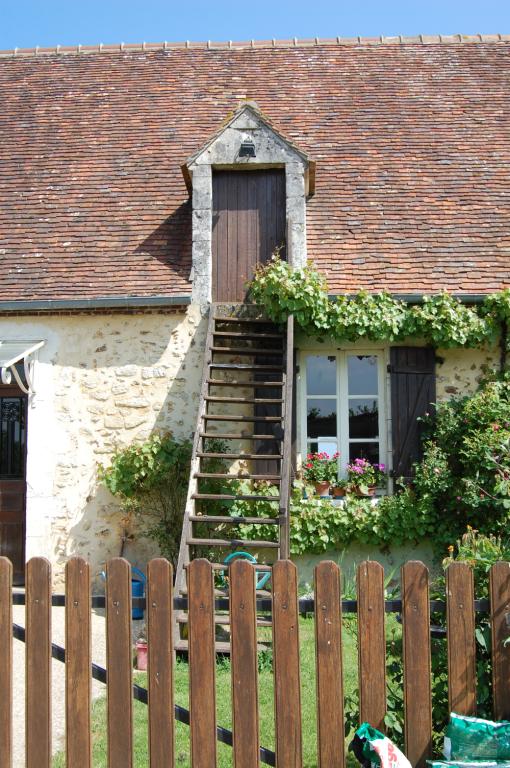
x,y
12,352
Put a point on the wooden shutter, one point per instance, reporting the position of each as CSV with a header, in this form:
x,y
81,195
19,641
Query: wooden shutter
x,y
413,393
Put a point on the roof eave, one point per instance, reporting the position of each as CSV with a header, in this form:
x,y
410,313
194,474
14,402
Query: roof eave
x,y
101,302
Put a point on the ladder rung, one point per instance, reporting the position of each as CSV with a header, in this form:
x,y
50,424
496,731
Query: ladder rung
x,y
246,456
220,647
225,417
239,437
246,367
223,593
213,519
250,383
231,543
252,351
225,620
248,400
247,335
232,497
243,320
232,476
262,567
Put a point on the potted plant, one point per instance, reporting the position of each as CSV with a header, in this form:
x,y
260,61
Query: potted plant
x,y
320,471
141,652
364,477
339,488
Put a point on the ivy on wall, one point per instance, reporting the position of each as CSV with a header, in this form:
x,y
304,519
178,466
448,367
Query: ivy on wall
x,y
441,320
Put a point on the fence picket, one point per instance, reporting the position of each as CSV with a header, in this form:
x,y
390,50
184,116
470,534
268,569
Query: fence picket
x,y
328,651
38,663
286,665
371,644
461,625
500,618
160,663
6,663
244,665
461,639
416,652
119,663
78,659
202,664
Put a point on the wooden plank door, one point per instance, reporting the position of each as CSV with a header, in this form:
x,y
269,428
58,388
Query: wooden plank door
x,y
248,224
13,431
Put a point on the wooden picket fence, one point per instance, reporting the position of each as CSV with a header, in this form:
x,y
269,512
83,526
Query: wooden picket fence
x,y
371,609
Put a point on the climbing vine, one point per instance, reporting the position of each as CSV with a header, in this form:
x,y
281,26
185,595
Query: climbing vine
x,y
441,320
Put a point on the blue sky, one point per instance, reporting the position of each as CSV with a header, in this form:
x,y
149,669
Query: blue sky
x,y
27,23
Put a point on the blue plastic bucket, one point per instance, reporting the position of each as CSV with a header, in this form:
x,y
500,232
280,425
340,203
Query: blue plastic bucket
x,y
137,590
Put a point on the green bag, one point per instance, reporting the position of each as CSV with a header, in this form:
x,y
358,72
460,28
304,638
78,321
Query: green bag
x,y
469,739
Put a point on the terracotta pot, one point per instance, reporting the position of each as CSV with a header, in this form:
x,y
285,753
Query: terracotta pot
x,y
339,492
141,655
322,489
370,491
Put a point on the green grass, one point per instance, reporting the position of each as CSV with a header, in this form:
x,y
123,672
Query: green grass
x,y
223,704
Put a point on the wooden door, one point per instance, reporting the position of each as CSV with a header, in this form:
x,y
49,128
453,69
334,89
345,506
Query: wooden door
x,y
248,224
13,432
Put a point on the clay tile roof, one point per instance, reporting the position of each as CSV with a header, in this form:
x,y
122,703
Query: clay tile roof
x,y
411,137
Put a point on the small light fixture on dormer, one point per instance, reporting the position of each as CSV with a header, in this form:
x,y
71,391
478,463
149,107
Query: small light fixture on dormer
x,y
247,149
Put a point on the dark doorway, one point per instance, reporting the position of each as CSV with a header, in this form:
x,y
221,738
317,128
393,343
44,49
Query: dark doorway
x,y
248,224
13,444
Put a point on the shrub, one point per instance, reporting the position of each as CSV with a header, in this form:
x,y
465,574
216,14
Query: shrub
x,y
480,552
151,480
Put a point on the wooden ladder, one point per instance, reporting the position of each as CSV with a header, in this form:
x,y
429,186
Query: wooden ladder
x,y
246,404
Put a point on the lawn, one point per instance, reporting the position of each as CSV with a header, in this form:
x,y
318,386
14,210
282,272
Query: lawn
x,y
223,699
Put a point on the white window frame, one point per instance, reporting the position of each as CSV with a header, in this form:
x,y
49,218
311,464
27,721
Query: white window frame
x,y
342,401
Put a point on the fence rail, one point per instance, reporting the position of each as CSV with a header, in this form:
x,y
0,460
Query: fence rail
x,y
371,607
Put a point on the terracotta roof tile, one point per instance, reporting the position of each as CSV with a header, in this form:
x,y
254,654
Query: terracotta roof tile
x,y
411,140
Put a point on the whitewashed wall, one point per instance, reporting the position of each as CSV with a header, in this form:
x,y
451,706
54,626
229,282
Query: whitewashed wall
x,y
101,382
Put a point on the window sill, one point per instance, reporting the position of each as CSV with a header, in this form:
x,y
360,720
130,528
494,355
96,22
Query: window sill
x,y
339,501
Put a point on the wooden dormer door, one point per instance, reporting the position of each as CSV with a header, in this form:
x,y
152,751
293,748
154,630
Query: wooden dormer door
x,y
248,224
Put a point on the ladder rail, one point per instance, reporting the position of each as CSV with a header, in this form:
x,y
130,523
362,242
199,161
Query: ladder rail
x,y
189,509
286,469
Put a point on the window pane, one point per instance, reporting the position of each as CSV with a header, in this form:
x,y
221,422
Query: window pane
x,y
368,451
321,375
12,436
362,373
321,418
327,446
363,418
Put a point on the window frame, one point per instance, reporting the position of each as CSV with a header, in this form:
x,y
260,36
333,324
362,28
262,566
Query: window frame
x,y
342,401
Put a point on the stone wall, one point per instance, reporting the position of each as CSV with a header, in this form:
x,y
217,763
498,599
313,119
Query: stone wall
x,y
101,382
462,369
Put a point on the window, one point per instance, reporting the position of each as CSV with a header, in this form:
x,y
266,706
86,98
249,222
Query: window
x,y
343,405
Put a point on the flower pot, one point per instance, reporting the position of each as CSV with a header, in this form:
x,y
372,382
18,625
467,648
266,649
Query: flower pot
x,y
322,488
141,655
339,492
366,490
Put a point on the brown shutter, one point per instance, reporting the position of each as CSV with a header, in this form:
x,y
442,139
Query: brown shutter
x,y
413,393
